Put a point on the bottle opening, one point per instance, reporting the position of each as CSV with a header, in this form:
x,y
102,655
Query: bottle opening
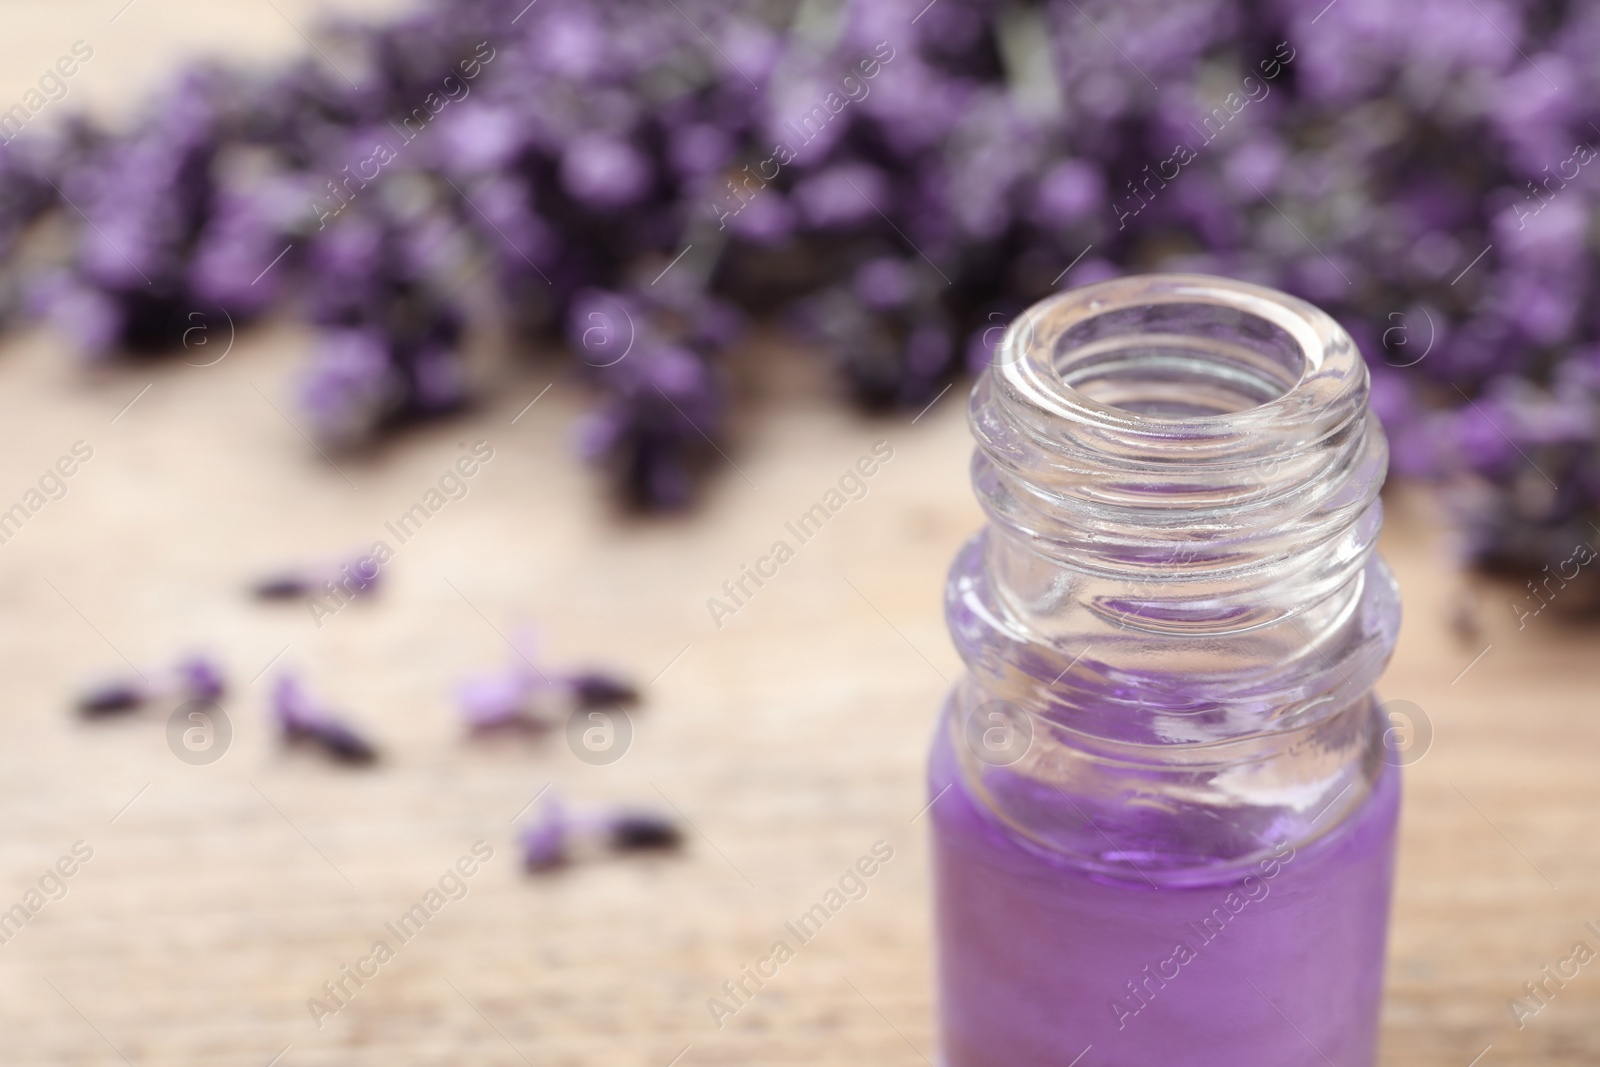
x,y
1176,425
1179,360
1173,372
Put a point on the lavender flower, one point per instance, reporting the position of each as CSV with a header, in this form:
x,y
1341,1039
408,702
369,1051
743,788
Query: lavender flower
x,y
545,841
598,689
194,677
558,836
641,830
355,577
662,406
505,699
898,182
304,722
198,678
523,696
113,696
604,172
352,384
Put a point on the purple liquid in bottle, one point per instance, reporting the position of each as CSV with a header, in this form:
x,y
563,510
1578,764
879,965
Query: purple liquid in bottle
x,y
1163,811
1284,969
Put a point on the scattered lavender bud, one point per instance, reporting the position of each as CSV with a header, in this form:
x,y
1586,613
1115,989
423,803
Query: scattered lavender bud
x,y
200,679
194,677
598,689
638,830
353,578
284,586
304,723
557,836
544,842
342,742
522,696
112,698
498,700
513,697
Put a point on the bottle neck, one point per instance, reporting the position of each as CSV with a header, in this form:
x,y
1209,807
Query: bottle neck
x,y
1204,443
1177,594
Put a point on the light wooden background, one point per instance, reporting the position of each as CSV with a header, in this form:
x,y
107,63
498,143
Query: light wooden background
x,y
221,897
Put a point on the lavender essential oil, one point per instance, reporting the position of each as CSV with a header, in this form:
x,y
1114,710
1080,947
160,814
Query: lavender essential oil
x,y
1164,822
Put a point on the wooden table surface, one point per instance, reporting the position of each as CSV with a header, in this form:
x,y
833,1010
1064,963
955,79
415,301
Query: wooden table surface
x,y
219,898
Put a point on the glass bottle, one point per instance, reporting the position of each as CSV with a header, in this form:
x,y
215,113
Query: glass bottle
x,y
1163,816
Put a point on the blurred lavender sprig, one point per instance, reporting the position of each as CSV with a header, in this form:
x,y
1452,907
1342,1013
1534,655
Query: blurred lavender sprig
x,y
303,721
895,179
558,834
193,677
359,576
521,695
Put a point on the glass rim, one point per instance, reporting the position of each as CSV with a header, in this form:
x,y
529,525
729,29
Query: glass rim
x,y
1027,368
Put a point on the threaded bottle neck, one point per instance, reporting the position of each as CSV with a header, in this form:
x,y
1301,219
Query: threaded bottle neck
x,y
1199,434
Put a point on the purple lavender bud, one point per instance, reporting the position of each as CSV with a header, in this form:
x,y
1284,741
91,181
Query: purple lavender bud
x,y
112,697
501,212
699,149
769,219
290,703
604,172
1480,438
90,317
285,586
304,723
345,259
675,371
342,743
639,830
195,677
1256,164
243,238
480,138
359,576
572,42
510,697
438,379
350,385
544,842
598,689
199,678
842,195
883,283
498,700
751,48
599,433
1069,192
